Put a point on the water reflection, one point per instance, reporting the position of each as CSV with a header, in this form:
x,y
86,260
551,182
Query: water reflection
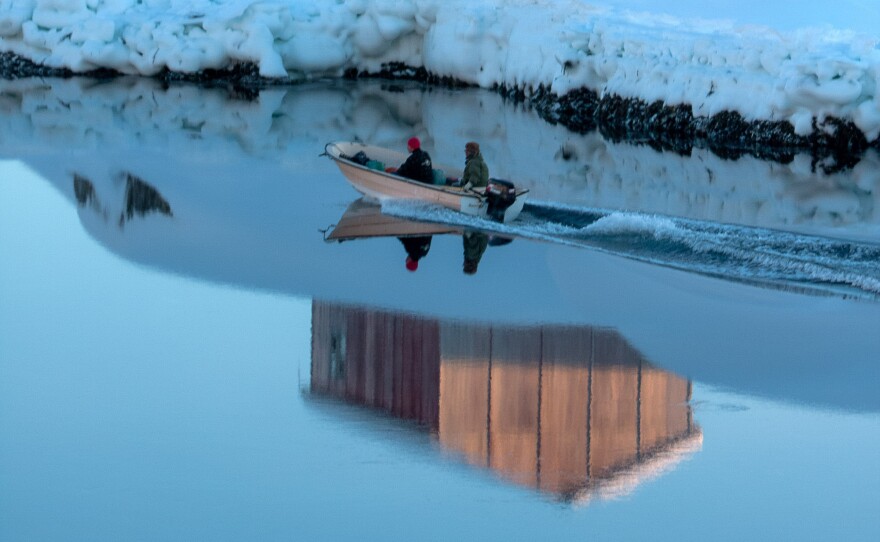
x,y
363,220
139,198
248,191
555,164
763,258
416,249
597,193
572,411
474,244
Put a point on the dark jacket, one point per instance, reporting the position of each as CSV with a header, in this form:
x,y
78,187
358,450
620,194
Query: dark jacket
x,y
476,172
418,167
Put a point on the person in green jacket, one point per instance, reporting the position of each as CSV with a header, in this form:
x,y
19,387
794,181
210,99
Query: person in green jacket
x,y
476,172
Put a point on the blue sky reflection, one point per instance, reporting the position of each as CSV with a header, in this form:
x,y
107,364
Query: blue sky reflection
x,y
140,404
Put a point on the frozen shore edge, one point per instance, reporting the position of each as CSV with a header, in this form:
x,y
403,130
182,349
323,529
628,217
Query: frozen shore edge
x,y
834,144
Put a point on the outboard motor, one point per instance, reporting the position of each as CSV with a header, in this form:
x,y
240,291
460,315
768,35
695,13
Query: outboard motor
x,y
500,195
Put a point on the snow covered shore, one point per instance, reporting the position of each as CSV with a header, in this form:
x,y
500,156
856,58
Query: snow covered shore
x,y
582,65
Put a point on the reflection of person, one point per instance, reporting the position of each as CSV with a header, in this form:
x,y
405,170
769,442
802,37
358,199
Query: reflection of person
x,y
475,244
418,165
476,172
416,249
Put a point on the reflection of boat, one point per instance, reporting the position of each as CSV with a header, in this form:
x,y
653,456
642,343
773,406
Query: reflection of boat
x,y
379,184
573,411
363,220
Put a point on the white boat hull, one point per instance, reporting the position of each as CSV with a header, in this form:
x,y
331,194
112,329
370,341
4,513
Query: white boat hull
x,y
380,185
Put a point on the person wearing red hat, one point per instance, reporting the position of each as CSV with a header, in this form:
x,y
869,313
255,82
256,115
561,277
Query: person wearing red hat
x,y
418,165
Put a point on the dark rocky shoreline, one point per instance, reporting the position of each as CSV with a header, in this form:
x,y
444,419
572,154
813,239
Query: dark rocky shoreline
x,y
834,144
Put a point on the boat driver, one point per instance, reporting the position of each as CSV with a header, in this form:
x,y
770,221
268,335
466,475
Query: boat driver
x,y
476,172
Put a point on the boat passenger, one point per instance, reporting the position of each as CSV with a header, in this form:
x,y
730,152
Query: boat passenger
x,y
418,166
476,172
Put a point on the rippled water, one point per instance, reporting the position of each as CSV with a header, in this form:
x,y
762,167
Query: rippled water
x,y
769,258
664,346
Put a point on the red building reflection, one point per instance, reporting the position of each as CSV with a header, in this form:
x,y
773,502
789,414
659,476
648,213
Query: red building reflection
x,y
572,411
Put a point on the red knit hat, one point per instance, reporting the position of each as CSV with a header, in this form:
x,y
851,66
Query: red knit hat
x,y
411,264
414,143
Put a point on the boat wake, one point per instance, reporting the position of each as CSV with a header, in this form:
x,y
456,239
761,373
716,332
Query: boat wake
x,y
763,257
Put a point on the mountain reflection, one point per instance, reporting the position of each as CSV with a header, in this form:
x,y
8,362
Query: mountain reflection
x,y
140,198
573,411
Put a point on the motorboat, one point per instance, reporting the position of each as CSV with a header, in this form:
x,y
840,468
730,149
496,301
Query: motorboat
x,y
365,168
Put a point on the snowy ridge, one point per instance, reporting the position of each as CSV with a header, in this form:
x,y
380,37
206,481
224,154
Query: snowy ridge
x,y
712,66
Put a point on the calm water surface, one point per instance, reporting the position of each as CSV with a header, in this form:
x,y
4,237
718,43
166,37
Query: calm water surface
x,y
659,352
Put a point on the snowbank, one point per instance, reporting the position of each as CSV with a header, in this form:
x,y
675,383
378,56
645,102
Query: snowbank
x,y
713,66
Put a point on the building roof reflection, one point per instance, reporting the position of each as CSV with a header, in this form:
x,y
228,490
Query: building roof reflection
x,y
572,411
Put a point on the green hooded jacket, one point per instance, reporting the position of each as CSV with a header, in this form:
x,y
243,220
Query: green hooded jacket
x,y
476,172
